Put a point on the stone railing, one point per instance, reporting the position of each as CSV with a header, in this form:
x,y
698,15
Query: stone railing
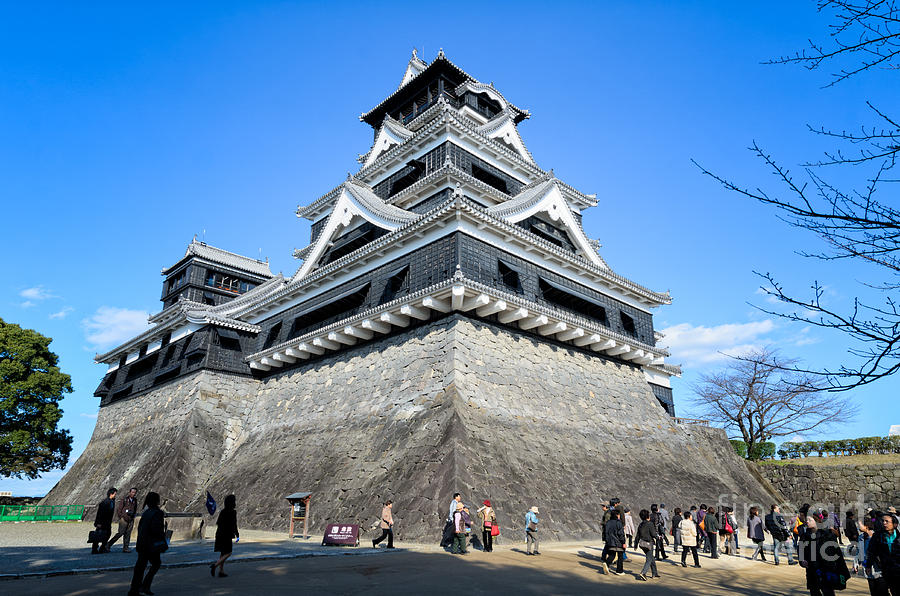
x,y
696,421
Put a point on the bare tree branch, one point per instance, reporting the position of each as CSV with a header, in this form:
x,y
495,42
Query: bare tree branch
x,y
761,397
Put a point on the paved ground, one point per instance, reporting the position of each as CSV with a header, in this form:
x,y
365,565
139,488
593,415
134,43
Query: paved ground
x,y
563,568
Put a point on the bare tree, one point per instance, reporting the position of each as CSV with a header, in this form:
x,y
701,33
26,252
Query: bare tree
x,y
862,224
760,397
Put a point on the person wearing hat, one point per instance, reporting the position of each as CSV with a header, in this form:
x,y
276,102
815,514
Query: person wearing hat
x,y
459,531
531,529
488,519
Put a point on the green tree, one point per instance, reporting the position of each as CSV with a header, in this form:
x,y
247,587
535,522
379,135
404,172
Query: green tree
x,y
31,386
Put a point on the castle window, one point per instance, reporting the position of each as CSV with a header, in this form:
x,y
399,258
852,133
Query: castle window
x,y
177,281
509,277
209,298
272,336
569,300
221,281
343,305
488,178
627,324
228,339
397,284
417,169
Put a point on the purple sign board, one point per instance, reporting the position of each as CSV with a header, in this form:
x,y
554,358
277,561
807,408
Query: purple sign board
x,y
341,535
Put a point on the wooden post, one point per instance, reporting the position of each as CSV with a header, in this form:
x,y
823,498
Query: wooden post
x,y
306,518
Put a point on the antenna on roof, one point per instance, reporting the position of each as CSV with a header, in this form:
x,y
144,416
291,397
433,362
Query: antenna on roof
x,y
204,235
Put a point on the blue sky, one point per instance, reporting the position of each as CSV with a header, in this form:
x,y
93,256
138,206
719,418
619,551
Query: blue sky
x,y
127,129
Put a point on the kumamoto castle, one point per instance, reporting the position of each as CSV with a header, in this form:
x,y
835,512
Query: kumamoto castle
x,y
451,329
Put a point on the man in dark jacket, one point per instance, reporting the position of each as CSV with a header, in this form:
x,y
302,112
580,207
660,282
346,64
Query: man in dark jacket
x,y
103,523
884,554
151,541
615,542
657,520
777,527
125,513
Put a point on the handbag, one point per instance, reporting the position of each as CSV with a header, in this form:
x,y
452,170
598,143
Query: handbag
x,y
96,536
645,544
495,529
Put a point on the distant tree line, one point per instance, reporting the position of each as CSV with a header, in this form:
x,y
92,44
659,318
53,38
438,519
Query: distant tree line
x,y
800,449
860,446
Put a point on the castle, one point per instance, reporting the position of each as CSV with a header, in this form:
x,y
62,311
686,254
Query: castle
x,y
451,328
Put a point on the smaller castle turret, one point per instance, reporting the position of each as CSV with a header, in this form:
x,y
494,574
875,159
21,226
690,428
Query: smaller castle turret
x,y
211,276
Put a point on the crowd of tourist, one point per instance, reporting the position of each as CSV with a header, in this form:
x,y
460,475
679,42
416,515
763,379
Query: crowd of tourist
x,y
812,538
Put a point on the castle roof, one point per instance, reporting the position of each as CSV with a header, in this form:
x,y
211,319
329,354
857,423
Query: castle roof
x,y
440,65
222,257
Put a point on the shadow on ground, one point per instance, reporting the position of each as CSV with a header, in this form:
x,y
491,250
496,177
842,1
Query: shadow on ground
x,y
500,572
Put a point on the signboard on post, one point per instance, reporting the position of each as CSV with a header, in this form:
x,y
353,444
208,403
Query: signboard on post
x,y
299,512
341,535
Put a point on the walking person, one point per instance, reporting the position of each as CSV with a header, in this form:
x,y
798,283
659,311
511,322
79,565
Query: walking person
x,y
755,533
799,525
701,527
688,539
821,556
664,513
712,532
226,529
657,520
629,528
647,535
125,512
459,531
449,533
615,543
531,532
727,531
884,554
676,529
778,528
851,531
488,519
103,523
386,524
150,543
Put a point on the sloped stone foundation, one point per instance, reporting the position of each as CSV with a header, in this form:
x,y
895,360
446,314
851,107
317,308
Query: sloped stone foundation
x,y
454,405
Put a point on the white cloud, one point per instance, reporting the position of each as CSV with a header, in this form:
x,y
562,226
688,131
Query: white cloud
x,y
36,293
110,326
27,304
62,313
87,415
697,345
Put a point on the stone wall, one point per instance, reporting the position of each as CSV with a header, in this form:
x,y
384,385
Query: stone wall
x,y
876,485
453,405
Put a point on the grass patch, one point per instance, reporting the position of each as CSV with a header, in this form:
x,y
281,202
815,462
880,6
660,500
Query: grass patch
x,y
855,460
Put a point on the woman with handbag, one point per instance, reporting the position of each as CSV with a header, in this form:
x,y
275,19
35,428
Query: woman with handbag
x,y
226,529
488,520
151,541
647,535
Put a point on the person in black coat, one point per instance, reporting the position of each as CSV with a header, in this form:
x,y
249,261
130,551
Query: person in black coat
x,y
821,556
647,534
884,554
615,542
103,523
226,529
151,541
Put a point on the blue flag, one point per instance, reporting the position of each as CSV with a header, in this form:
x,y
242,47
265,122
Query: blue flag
x,y
210,503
